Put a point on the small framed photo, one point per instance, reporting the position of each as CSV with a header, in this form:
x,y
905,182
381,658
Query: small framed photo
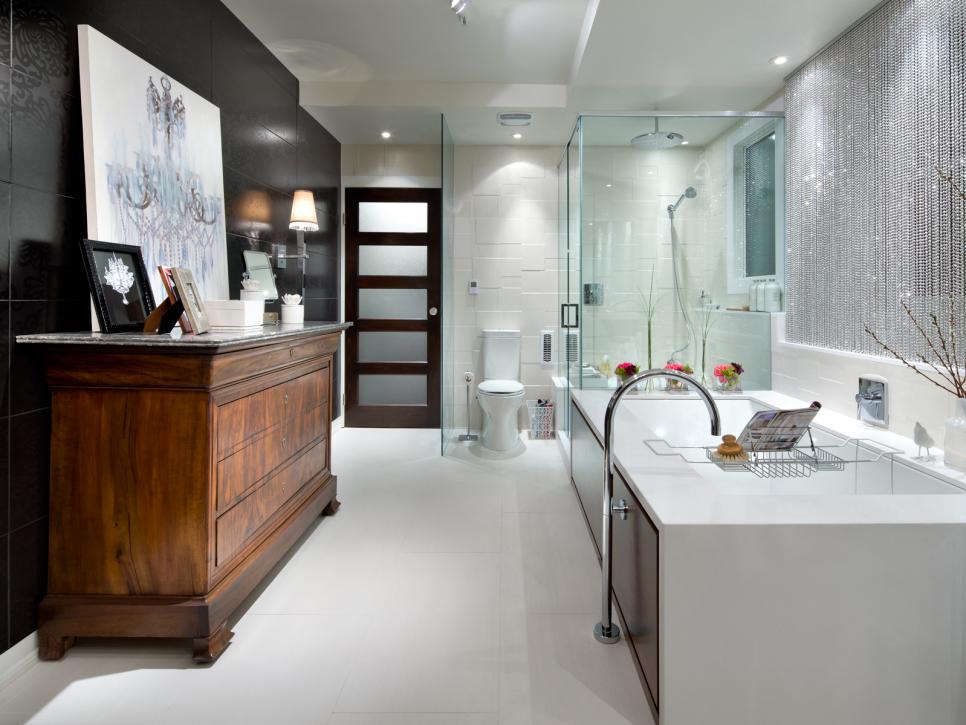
x,y
167,279
187,291
119,285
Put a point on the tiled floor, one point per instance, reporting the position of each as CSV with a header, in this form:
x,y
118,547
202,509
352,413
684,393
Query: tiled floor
x,y
456,591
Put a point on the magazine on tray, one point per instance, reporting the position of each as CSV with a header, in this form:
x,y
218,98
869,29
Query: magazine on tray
x,y
777,430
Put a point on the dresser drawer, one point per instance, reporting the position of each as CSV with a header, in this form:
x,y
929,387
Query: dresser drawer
x,y
241,420
244,468
234,528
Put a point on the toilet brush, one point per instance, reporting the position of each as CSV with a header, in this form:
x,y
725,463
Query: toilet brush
x,y
468,377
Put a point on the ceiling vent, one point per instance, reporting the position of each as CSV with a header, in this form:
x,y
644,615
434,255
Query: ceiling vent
x,y
515,119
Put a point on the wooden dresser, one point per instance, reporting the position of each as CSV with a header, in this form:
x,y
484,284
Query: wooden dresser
x,y
181,471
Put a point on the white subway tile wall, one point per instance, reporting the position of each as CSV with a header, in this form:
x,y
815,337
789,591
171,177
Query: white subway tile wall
x,y
506,222
830,376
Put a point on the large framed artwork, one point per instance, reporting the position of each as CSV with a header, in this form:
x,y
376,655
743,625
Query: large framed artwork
x,y
152,156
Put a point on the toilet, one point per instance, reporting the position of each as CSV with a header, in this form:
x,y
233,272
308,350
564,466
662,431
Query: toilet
x,y
500,394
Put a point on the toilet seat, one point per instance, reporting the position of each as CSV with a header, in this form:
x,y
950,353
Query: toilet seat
x,y
500,387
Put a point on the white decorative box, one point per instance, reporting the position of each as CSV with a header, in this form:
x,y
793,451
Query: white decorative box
x,y
235,313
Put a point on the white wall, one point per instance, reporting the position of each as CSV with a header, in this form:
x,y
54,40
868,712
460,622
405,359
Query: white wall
x,y
505,238
831,377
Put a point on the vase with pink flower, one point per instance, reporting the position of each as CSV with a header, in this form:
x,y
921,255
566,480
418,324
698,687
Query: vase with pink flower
x,y
678,386
728,377
625,371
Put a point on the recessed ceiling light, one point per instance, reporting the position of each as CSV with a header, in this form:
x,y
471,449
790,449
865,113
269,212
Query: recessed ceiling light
x,y
609,186
518,136
779,60
685,143
386,134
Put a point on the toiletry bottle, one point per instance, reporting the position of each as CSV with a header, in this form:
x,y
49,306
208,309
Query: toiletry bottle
x,y
753,296
605,366
772,296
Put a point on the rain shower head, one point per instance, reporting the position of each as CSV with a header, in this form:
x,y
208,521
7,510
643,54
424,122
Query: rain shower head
x,y
689,193
657,140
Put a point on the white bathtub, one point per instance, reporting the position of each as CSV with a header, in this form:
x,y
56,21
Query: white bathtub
x,y
871,468
836,598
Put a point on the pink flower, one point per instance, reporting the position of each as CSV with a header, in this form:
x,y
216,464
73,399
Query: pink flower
x,y
679,367
626,369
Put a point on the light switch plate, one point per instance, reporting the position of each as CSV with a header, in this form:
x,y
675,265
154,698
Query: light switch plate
x,y
474,287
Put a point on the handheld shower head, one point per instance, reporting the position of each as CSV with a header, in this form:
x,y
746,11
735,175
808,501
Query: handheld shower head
x,y
689,193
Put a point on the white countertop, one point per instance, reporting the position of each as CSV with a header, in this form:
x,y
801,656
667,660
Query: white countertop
x,y
675,494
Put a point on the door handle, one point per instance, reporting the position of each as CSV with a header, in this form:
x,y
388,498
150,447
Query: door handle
x,y
621,508
433,311
569,315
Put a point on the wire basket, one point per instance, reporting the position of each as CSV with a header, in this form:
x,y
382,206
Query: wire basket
x,y
793,463
807,457
541,421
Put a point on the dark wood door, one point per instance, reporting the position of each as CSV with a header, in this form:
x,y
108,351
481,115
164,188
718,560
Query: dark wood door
x,y
393,239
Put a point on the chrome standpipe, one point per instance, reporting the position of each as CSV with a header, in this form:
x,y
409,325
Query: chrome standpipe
x,y
606,630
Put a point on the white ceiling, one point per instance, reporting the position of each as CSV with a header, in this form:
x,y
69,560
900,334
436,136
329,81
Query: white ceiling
x,y
370,65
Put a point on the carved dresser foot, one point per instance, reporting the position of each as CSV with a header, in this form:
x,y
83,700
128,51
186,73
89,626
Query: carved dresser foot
x,y
53,646
208,649
332,507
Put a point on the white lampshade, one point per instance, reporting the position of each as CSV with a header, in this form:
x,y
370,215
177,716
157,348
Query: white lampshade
x,y
304,218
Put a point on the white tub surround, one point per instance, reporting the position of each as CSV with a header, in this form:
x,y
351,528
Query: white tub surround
x,y
846,605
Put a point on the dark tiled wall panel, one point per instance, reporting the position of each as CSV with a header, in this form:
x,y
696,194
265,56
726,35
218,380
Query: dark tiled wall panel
x,y
270,146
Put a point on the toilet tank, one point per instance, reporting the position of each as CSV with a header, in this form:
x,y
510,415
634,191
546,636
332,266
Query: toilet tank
x,y
501,354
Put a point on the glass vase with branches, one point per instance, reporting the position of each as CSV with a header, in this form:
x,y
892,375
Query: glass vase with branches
x,y
650,303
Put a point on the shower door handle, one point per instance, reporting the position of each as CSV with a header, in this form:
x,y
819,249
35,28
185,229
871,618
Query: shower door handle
x,y
565,318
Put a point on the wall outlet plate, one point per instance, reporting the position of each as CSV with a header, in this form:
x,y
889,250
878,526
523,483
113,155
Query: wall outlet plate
x,y
474,287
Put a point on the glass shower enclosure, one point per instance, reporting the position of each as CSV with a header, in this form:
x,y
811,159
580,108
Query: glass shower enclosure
x,y
670,233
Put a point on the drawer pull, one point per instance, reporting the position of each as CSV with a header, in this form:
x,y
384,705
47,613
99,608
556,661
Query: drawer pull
x,y
286,398
291,352
284,441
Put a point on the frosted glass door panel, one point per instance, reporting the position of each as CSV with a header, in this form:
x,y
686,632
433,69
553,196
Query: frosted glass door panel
x,y
401,261
392,304
392,390
392,347
394,217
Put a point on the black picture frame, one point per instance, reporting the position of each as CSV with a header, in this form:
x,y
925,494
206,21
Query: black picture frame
x,y
126,307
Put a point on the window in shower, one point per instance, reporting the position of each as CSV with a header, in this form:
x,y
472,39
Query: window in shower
x,y
758,205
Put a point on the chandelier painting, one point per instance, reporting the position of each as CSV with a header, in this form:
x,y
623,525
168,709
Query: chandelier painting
x,y
154,163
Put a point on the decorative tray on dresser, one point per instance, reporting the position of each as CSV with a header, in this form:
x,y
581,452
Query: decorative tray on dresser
x,y
181,471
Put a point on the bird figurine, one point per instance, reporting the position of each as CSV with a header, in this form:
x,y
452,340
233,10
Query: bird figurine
x,y
922,439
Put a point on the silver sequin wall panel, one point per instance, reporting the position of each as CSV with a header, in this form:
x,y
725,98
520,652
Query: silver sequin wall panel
x,y
869,222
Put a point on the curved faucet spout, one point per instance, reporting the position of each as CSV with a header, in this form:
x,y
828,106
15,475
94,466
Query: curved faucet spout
x,y
606,630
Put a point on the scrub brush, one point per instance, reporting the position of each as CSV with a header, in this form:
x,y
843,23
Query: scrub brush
x,y
730,450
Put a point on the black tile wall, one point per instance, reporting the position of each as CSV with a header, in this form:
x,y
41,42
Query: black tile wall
x,y
271,147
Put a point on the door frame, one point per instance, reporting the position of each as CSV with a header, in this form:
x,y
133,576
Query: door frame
x,y
400,416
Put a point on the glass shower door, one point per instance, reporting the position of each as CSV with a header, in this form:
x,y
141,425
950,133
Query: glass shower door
x,y
448,431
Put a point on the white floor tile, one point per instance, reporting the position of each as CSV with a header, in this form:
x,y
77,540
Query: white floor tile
x,y
421,718
548,565
446,591
554,672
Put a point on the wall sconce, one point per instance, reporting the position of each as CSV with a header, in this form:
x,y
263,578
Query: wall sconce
x,y
304,219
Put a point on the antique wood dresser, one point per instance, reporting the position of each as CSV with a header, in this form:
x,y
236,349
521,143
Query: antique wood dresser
x,y
181,471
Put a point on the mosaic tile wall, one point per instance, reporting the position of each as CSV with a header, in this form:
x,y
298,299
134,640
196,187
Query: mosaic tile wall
x,y
870,223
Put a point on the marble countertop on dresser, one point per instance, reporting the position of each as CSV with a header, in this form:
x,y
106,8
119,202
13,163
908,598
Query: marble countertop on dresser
x,y
208,342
